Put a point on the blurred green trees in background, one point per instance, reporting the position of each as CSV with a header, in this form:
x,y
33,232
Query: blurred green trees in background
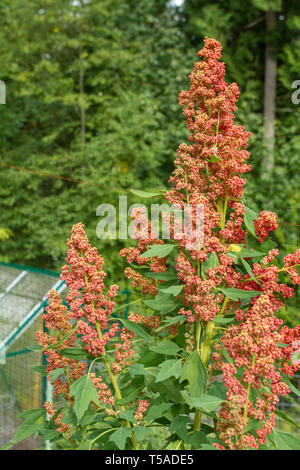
x,y
92,92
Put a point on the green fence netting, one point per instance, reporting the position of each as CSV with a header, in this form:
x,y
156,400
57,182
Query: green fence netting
x,y
23,297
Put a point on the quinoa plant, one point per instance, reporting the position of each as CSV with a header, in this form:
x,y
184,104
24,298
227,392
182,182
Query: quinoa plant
x,y
210,344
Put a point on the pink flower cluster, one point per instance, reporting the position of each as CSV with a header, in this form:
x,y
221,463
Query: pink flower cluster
x,y
57,318
90,311
266,222
85,280
253,378
140,412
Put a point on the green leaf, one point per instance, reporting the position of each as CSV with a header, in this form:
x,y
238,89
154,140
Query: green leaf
x,y
73,353
249,216
171,321
167,388
165,347
144,194
217,389
206,402
128,415
163,303
40,369
285,441
165,276
141,432
62,340
169,368
50,435
70,418
56,373
246,253
24,430
198,439
214,159
286,418
223,320
239,294
226,353
249,270
137,369
35,348
32,424
179,426
136,329
119,437
84,392
195,373
34,415
173,290
291,386
211,262
157,411
158,250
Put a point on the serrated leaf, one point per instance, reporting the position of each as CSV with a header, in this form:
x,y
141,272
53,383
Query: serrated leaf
x,y
198,439
205,402
285,441
165,276
24,431
157,411
120,436
179,426
136,329
172,290
84,392
217,389
128,415
141,432
166,388
32,424
163,303
158,250
34,415
195,373
165,347
169,368
239,294
137,369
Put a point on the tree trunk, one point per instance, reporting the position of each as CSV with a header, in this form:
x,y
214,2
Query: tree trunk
x,y
82,101
269,96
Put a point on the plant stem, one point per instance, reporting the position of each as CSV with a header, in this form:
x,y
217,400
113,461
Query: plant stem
x,y
111,375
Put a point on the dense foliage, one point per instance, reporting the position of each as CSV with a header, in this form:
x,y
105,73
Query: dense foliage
x,y
90,96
